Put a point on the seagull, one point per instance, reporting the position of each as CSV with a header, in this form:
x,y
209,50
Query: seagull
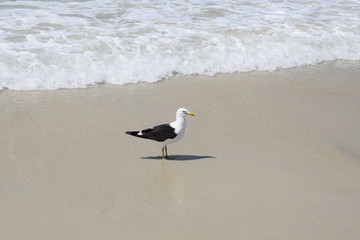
x,y
166,133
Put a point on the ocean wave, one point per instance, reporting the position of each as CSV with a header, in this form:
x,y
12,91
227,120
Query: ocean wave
x,y
62,44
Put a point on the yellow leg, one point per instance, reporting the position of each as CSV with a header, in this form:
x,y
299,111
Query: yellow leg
x,y
163,152
166,155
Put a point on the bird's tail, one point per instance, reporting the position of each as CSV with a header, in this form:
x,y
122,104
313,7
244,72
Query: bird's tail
x,y
133,133
136,134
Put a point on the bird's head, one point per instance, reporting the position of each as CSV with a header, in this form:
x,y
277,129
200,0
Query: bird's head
x,y
182,112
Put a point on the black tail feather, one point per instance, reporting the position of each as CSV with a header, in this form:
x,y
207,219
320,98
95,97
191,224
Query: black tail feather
x,y
136,134
133,133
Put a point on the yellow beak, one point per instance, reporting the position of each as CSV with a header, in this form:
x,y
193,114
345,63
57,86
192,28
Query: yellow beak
x,y
191,114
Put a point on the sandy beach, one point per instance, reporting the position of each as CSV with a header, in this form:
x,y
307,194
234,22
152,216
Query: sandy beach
x,y
267,156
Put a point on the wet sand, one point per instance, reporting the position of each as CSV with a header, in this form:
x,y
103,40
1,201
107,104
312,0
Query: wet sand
x,y
267,156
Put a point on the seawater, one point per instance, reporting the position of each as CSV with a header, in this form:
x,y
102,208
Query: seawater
x,y
75,44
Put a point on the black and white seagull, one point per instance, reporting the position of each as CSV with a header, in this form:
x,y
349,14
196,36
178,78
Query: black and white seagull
x,y
166,133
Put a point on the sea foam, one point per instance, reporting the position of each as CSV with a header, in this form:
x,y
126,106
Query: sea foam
x,y
74,44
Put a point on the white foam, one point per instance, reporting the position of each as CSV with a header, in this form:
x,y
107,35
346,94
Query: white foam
x,y
57,44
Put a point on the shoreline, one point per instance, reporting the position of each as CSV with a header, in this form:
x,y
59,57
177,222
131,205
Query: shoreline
x,y
350,68
267,156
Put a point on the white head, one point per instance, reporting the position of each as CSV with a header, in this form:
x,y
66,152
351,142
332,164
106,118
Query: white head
x,y
182,112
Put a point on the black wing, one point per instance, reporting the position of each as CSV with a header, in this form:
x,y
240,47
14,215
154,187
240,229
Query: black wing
x,y
159,133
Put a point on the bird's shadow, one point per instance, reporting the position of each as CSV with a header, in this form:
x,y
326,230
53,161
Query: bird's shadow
x,y
179,157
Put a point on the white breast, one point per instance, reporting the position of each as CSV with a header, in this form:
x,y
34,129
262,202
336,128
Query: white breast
x,y
179,125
